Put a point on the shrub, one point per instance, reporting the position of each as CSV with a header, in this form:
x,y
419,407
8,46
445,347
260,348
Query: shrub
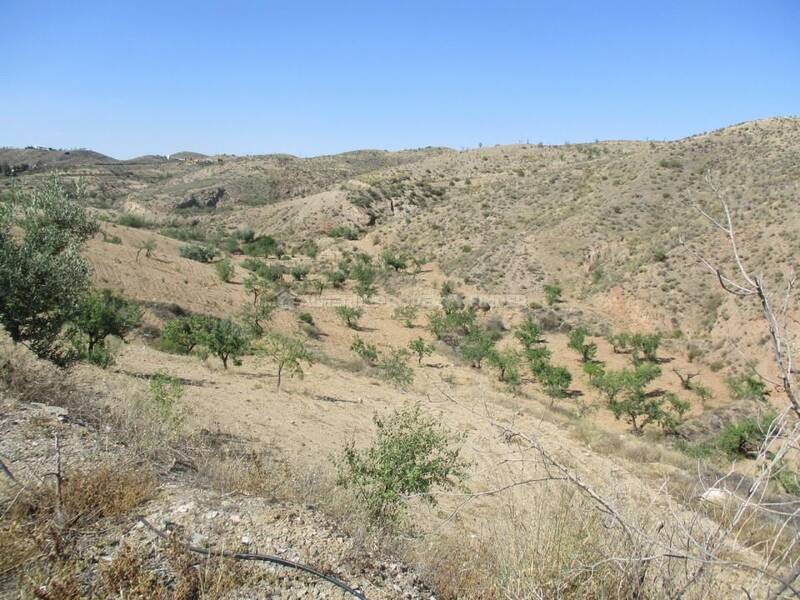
x,y
748,387
367,352
394,260
411,455
577,341
406,313
476,346
100,315
507,364
620,342
349,315
225,269
264,245
394,367
203,254
421,348
306,317
552,293
245,234
528,333
43,277
452,327
134,221
644,347
745,438
146,246
336,277
299,272
345,231
538,358
181,335
365,275
556,381
287,353
254,315
224,339
164,394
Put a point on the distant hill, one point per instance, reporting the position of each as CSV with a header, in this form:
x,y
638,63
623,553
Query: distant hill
x,y
46,158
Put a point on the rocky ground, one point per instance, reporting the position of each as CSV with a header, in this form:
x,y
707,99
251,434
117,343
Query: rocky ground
x,y
202,517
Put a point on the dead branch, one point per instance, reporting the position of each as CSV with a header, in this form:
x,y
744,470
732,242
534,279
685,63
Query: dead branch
x,y
277,560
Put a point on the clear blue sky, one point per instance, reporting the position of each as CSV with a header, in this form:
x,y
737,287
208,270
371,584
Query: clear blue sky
x,y
130,78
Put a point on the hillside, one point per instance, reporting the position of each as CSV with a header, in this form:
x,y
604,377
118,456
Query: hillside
x,y
487,230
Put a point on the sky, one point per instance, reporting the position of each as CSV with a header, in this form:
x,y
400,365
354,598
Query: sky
x,y
310,78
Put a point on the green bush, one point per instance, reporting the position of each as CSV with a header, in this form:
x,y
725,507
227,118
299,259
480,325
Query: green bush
x,y
476,346
556,381
164,394
394,260
287,353
263,246
299,272
43,277
406,313
577,341
552,293
748,387
99,315
393,366
411,455
255,315
506,362
644,347
349,315
225,269
345,231
203,254
225,339
336,277
367,352
181,335
421,348
743,439
528,333
134,221
306,317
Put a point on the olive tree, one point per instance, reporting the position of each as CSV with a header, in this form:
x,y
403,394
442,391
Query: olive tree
x,y
43,277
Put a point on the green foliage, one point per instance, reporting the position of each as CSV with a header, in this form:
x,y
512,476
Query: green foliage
x,y
507,364
621,342
555,380
225,269
111,239
788,479
421,348
406,313
644,347
452,327
345,231
255,315
164,395
528,333
367,352
306,317
476,346
538,358
337,277
743,439
147,246
552,293
99,315
309,248
287,353
748,387
43,277
264,245
203,254
181,335
393,366
577,341
364,274
299,272
134,221
246,235
225,339
627,398
394,260
411,455
349,315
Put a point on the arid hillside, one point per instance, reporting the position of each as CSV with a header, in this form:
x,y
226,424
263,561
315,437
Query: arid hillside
x,y
546,305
